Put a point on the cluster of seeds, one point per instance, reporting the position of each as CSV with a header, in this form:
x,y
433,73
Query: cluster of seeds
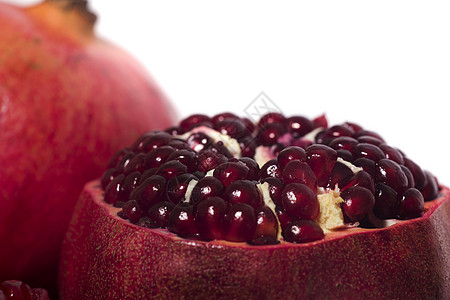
x,y
203,180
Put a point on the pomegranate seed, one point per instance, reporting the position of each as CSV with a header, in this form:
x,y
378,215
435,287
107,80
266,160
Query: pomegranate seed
x,y
240,223
158,156
107,177
208,160
431,188
392,153
366,164
230,171
386,202
368,151
299,172
118,157
344,142
409,175
194,121
340,176
418,174
199,141
132,211
364,132
266,223
219,148
249,125
270,133
365,139
137,163
152,190
290,153
283,216
336,131
270,169
178,144
175,130
302,231
148,173
248,146
159,213
345,155
171,169
182,220
411,204
113,192
130,182
139,143
362,179
321,159
300,201
358,201
270,118
299,125
186,157
208,186
155,141
222,116
355,127
232,127
243,191
276,187
390,173
176,187
209,215
122,164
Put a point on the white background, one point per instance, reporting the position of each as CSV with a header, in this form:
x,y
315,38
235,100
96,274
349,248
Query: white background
x,y
383,64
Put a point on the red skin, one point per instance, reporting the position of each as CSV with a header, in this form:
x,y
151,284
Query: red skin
x,y
63,94
105,257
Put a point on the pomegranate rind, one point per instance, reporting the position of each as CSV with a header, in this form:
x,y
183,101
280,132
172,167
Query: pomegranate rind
x,y
106,257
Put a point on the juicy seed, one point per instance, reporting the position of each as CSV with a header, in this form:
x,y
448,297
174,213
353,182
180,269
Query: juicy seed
x,y
243,191
300,201
230,171
299,172
411,204
239,223
182,220
302,231
358,201
209,216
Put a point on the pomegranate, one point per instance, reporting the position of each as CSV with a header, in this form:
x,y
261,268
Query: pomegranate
x,y
287,222
18,290
65,96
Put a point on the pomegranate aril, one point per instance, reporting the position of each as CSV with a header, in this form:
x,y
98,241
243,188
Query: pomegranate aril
x,y
276,187
137,163
386,202
364,132
431,188
266,223
248,146
209,216
270,169
118,157
362,179
208,186
186,157
299,172
220,147
239,223
243,191
177,186
182,220
107,177
130,182
298,126
152,190
159,213
230,171
113,192
302,231
290,153
132,211
283,217
147,173
232,127
122,164
355,127
249,125
155,141
178,144
335,132
390,173
158,156
321,159
300,201
195,120
175,130
344,142
208,160
253,168
270,133
411,204
365,139
392,153
409,175
199,141
366,164
270,118
417,172
340,176
222,116
345,155
358,201
368,151
171,169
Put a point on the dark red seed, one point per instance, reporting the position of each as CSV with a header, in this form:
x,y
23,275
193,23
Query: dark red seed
x,y
300,201
132,211
129,184
364,132
302,231
270,169
270,133
159,213
249,125
208,186
209,216
232,127
194,120
175,130
370,140
266,223
345,155
158,156
392,153
358,201
118,157
336,131
208,160
390,173
368,151
355,127
290,153
230,171
113,192
199,141
340,176
186,157
151,191
178,144
283,216
321,159
299,172
122,164
386,202
139,142
219,147
362,179
107,177
248,146
240,223
344,142
155,141
171,169
137,163
298,125
411,204
430,191
177,186
270,118
222,116
243,191
148,173
366,164
182,220
409,175
276,187
417,172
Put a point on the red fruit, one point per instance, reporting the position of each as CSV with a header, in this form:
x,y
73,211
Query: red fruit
x,y
303,231
17,290
69,101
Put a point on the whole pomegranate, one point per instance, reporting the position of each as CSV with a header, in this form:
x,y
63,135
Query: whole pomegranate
x,y
68,100
288,208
